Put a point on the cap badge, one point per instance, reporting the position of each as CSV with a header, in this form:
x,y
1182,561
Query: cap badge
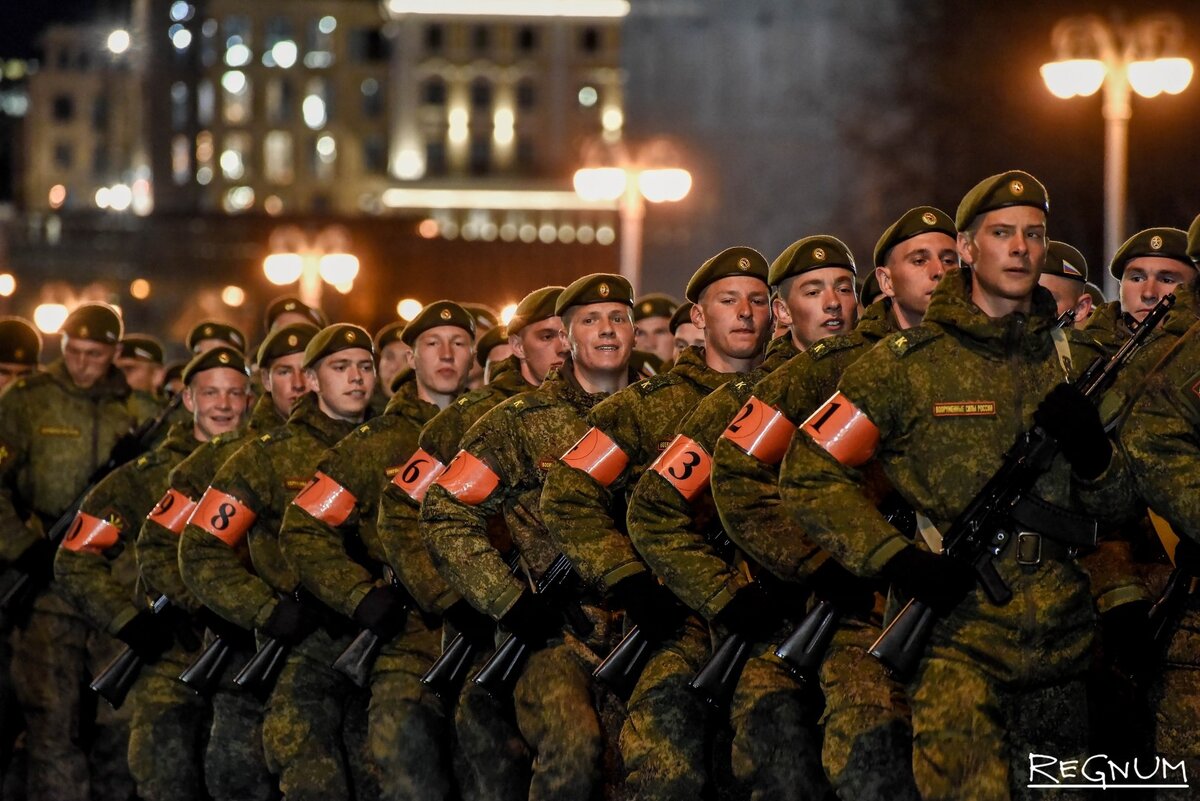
x,y
349,336
603,290
293,340
928,218
83,331
819,254
1016,187
1071,269
743,263
223,358
19,353
1155,242
445,315
647,308
289,306
208,332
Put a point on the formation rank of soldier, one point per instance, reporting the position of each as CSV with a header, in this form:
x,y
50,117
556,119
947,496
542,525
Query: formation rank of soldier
x,y
793,538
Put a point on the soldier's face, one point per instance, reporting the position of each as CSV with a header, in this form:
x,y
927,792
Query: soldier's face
x,y
343,381
1148,279
1006,253
819,303
1066,291
86,360
687,335
392,359
140,374
541,347
442,359
285,381
10,372
653,335
735,315
913,270
217,399
601,337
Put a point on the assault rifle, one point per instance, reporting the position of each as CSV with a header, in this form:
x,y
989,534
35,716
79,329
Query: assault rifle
x,y
356,661
117,678
204,674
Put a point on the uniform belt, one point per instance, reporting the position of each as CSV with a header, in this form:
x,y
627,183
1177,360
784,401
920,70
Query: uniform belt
x,y
1029,548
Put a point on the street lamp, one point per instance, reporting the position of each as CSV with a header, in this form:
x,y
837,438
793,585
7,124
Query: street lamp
x,y
611,172
324,257
1093,53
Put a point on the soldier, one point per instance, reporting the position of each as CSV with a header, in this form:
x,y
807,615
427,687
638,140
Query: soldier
x,y
172,382
96,569
583,504
501,468
491,761
290,310
492,347
211,333
394,354
1065,275
652,321
938,406
314,726
56,428
684,331
20,348
1098,300
140,358
869,292
329,537
234,766
486,319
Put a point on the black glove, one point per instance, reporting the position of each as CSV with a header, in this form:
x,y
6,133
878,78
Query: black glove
x,y
478,628
1127,639
850,594
37,559
650,605
532,619
1187,556
384,611
752,613
234,635
290,622
148,634
1073,421
936,580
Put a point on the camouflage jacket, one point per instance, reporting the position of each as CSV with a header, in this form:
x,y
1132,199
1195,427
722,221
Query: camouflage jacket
x,y
513,445
245,504
329,535
96,566
745,487
400,504
671,519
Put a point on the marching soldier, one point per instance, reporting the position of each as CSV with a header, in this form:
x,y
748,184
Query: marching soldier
x,y
394,355
684,331
652,322
140,358
213,333
1065,275
20,349
290,310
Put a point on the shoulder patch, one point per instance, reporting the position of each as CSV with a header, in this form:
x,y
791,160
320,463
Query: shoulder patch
x,y
524,403
265,438
902,343
653,384
830,345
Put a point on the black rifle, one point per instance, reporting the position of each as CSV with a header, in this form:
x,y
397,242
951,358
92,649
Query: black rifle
x,y
356,661
117,678
984,527
204,675
1066,319
1164,616
262,669
19,588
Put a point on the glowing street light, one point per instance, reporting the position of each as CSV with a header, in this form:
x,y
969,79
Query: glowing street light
x,y
610,173
323,258
49,317
8,285
1094,54
408,309
507,313
118,41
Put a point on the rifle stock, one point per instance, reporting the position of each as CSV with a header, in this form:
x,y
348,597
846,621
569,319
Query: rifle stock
x,y
446,675
117,678
622,667
1168,609
805,647
356,662
261,671
716,680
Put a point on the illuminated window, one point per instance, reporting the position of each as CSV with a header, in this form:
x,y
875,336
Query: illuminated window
x,y
316,108
277,157
481,94
527,39
204,157
319,42
280,100
181,167
526,94
236,32
179,105
205,102
235,156
236,97
208,42
433,92
324,156
63,108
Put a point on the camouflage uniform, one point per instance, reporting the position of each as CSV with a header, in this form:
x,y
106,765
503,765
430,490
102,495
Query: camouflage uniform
x,y
235,768
519,440
664,756
948,398
314,714
491,761
53,435
867,747
338,556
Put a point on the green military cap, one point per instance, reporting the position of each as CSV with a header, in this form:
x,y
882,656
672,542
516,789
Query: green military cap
x,y
870,290
484,316
538,305
392,332
285,341
1064,260
811,253
654,304
594,288
914,222
140,346
1193,245
334,338
442,312
1166,243
20,343
1012,188
211,359
737,260
1096,292
173,370
212,329
682,315
98,322
494,336
291,303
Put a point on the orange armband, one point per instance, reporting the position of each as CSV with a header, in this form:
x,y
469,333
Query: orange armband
x,y
842,429
762,431
469,479
598,456
418,475
172,511
326,500
90,534
223,516
686,467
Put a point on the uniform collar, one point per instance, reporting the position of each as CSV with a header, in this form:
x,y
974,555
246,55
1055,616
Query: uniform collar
x,y
691,366
951,309
779,350
505,376
561,383
407,403
307,414
111,384
877,320
264,417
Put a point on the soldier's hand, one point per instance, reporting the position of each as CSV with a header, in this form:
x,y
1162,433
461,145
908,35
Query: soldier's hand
x,y
650,605
936,580
1074,423
850,594
532,619
1127,639
1187,556
148,634
752,613
478,628
290,622
384,611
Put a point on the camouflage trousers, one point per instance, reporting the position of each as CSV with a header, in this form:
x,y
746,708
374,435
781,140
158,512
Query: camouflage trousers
x,y
1175,699
11,723
167,733
491,760
867,752
315,727
235,768
408,730
664,742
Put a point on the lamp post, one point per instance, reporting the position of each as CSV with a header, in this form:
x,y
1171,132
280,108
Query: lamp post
x,y
323,258
1093,53
611,172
